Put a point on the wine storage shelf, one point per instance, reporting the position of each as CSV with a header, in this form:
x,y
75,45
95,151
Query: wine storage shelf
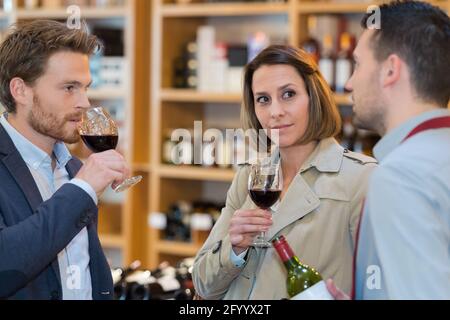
x,y
121,224
173,24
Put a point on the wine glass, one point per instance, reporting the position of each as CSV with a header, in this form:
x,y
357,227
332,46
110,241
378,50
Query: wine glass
x,y
99,133
264,186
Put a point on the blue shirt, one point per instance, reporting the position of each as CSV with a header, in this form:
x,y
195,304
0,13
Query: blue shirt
x,y
404,239
74,259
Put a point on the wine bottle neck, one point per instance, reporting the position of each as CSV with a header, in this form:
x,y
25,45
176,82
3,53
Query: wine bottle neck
x,y
287,255
292,263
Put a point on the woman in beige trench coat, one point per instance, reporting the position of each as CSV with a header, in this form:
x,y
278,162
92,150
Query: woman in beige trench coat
x,y
323,187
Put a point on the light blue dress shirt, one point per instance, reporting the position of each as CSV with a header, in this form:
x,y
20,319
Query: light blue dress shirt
x,y
74,259
404,242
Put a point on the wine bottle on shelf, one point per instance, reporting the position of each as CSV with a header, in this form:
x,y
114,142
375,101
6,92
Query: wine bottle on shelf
x,y
159,284
154,290
178,221
119,280
310,44
349,134
327,61
303,282
343,62
184,276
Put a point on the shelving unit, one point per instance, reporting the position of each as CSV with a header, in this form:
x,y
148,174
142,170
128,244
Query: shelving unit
x,y
195,173
121,217
155,32
223,9
174,24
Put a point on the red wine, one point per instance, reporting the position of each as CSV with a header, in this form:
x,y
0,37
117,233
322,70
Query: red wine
x,y
100,143
264,198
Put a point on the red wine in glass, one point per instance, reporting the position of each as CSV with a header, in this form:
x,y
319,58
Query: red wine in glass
x,y
100,133
264,198
100,143
264,187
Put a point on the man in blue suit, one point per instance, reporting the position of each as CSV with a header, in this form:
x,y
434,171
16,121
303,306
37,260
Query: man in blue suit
x,y
49,247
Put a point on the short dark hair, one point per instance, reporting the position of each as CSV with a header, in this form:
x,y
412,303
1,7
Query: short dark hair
x,y
324,117
419,33
25,52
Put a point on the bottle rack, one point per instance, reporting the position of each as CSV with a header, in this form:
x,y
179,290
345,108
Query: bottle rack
x,y
121,217
173,25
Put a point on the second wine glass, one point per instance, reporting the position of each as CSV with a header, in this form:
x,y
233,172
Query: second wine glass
x,y
264,186
99,132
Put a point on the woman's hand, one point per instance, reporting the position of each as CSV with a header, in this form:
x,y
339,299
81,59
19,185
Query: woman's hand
x,y
245,225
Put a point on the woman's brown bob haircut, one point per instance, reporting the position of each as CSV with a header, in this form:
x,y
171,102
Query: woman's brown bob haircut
x,y
324,117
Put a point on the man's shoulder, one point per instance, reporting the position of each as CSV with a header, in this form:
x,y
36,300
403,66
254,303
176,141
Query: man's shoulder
x,y
422,155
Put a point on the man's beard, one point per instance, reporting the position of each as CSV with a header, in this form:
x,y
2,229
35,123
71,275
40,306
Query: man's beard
x,y
49,124
369,112
372,119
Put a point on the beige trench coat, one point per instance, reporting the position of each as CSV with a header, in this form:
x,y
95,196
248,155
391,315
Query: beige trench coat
x,y
318,216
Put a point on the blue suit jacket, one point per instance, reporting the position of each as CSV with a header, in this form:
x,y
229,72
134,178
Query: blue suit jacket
x,y
33,232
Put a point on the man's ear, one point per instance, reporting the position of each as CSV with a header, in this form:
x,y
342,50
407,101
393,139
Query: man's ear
x,y
391,70
20,91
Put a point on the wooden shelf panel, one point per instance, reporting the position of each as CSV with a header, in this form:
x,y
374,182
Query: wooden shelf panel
x,y
61,13
223,9
145,167
343,99
106,94
187,95
195,173
111,240
344,8
313,8
177,248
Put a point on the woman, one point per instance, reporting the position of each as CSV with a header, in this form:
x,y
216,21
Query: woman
x,y
323,187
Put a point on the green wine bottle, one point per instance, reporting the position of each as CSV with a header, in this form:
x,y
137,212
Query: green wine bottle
x,y
300,276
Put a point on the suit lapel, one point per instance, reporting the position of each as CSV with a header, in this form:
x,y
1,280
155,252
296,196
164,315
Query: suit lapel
x,y
72,167
19,170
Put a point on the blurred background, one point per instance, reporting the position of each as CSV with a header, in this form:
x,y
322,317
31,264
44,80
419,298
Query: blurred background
x,y
166,64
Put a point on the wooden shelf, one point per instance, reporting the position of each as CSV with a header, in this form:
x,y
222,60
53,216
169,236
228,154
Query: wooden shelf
x,y
195,173
315,8
343,99
350,7
106,94
111,240
185,249
172,25
187,95
145,167
86,13
223,9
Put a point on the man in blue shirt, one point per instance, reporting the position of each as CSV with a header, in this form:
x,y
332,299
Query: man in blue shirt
x,y
401,89
49,247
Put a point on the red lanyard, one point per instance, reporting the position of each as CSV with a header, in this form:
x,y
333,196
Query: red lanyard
x,y
435,123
